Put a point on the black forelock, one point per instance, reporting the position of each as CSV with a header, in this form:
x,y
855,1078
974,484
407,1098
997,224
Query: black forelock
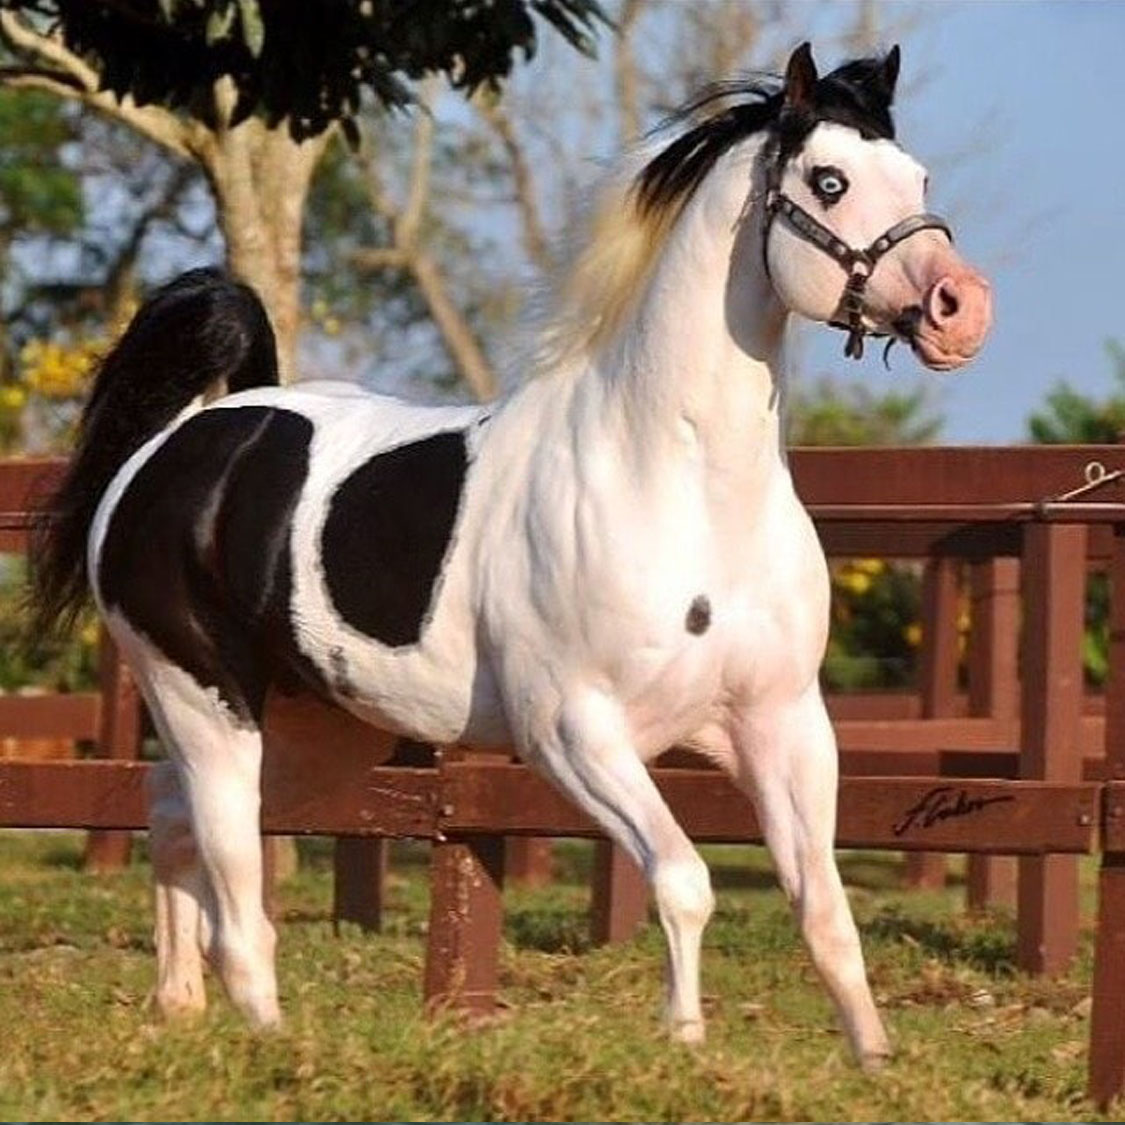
x,y
853,94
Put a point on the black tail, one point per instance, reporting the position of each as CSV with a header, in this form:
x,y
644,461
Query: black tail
x,y
200,330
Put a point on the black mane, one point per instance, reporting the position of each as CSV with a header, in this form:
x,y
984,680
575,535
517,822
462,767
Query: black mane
x,y
854,94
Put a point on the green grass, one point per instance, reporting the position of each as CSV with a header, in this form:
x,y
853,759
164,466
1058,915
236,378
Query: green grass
x,y
578,1036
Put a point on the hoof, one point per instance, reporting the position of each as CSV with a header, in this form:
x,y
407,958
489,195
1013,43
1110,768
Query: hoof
x,y
874,1061
691,1032
262,1013
183,1004
266,1021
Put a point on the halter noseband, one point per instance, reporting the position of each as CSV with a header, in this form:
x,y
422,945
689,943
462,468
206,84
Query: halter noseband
x,y
859,265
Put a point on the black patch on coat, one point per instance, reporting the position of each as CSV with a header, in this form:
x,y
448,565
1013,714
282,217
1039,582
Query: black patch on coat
x,y
698,619
197,552
388,532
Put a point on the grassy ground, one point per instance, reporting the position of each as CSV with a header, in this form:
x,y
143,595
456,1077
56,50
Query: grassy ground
x,y
578,1038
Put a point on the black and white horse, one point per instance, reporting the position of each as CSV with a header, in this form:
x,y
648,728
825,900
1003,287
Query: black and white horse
x,y
609,561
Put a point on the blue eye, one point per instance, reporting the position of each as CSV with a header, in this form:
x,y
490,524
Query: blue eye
x,y
828,184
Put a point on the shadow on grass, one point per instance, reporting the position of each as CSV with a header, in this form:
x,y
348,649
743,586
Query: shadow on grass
x,y
63,854
734,877
984,947
316,853
547,930
866,870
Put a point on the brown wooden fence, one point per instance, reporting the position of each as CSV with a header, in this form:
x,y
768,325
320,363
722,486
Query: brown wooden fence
x,y
107,719
1023,768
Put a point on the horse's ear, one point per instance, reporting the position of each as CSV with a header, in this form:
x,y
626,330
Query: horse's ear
x,y
800,78
889,72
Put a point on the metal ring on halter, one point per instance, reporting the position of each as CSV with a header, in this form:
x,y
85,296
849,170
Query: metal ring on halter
x,y
858,264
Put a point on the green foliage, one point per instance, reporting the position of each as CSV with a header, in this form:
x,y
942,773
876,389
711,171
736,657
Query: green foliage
x,y
57,667
1095,638
38,194
305,63
831,412
579,1037
875,607
874,633
1072,418
40,198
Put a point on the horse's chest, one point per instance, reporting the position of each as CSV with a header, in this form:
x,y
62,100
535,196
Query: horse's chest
x,y
668,695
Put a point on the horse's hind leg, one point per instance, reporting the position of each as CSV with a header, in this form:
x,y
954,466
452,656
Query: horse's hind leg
x,y
222,761
588,752
182,928
218,756
786,757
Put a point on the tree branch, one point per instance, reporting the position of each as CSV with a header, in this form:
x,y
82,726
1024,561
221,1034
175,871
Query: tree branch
x,y
65,74
407,253
119,273
535,240
49,50
381,202
418,193
374,258
625,72
458,337
28,78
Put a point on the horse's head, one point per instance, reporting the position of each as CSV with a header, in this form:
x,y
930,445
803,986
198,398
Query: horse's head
x,y
847,237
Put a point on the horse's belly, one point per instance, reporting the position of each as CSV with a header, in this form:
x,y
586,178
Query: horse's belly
x,y
438,691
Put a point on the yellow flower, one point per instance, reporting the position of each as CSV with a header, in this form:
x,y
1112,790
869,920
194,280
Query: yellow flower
x,y
854,581
912,634
57,371
12,397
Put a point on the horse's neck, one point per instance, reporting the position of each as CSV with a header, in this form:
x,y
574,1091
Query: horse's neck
x,y
697,370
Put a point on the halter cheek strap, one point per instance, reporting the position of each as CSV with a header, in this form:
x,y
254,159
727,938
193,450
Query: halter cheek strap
x,y
858,264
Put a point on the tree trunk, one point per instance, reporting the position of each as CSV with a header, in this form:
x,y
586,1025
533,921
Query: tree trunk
x,y
261,179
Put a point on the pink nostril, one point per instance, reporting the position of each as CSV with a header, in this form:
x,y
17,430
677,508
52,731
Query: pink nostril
x,y
947,300
944,301
956,311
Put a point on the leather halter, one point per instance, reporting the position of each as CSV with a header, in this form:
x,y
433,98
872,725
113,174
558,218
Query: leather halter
x,y
858,264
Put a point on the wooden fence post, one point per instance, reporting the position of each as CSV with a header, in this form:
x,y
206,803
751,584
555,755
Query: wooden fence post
x,y
359,865
993,693
620,895
1107,1020
1053,587
466,920
529,861
271,898
938,682
119,737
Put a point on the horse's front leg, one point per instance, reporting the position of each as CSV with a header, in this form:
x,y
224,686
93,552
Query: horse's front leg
x,y
586,749
785,756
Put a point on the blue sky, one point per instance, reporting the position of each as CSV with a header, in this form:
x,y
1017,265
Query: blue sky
x,y
1016,107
